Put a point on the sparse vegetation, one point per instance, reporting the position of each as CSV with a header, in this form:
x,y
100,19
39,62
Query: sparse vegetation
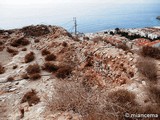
x,y
31,97
92,79
154,93
1,43
21,41
50,57
24,76
15,66
122,96
10,79
123,46
24,49
2,69
63,72
32,69
92,105
148,51
29,57
64,44
15,43
22,113
85,38
1,48
36,40
35,31
97,39
50,67
12,51
35,76
25,42
45,52
147,67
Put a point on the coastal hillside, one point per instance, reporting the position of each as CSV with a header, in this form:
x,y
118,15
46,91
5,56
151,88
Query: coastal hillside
x,y
46,73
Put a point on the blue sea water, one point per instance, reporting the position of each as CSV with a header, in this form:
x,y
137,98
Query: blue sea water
x,y
91,17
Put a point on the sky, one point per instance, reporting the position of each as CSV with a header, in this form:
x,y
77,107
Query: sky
x,y
17,13
41,2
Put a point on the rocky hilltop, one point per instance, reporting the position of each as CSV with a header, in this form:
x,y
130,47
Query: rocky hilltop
x,y
48,74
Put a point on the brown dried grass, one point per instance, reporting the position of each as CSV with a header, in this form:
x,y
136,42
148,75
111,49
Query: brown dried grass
x,y
63,71
148,68
32,69
21,41
35,76
152,52
50,57
2,69
50,67
31,97
91,105
12,51
10,79
29,57
45,52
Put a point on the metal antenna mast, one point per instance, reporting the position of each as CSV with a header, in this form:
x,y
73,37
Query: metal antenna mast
x,y
75,25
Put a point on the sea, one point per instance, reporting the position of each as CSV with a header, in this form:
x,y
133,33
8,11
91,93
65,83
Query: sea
x,y
90,17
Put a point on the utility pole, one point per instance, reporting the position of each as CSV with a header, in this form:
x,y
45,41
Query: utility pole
x,y
75,26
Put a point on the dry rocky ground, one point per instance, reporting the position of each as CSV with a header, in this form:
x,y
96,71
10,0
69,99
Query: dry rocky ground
x,y
46,74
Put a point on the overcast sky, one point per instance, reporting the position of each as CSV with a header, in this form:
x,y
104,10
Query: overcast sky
x,y
24,2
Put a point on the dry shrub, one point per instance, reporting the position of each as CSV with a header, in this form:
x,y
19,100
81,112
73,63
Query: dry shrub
x,y
12,51
25,42
50,67
64,44
150,52
16,43
29,57
122,96
76,38
123,102
154,93
32,69
10,79
22,113
71,96
15,66
3,110
63,71
24,76
92,105
1,43
35,76
35,31
154,98
150,109
147,67
45,52
123,47
50,57
89,62
36,41
24,49
31,97
21,41
97,39
85,38
2,69
1,48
